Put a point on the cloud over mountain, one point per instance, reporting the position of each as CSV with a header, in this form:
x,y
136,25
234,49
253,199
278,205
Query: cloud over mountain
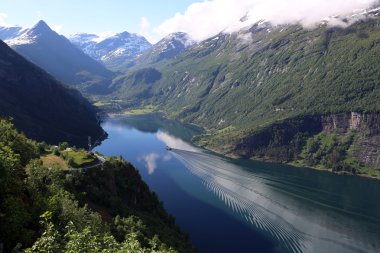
x,y
3,19
205,19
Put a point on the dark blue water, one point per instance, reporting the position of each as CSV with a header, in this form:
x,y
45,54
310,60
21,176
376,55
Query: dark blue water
x,y
245,206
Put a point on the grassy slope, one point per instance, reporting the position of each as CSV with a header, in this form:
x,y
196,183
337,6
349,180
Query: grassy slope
x,y
272,76
240,84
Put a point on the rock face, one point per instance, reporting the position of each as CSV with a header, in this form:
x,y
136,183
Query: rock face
x,y
351,121
367,124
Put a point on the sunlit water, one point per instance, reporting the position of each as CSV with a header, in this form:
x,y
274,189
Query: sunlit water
x,y
245,206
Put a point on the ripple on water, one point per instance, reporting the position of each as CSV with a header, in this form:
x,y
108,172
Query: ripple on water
x,y
259,199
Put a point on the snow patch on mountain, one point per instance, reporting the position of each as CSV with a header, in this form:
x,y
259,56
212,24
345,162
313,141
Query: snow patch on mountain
x,y
167,48
172,45
7,33
113,49
21,40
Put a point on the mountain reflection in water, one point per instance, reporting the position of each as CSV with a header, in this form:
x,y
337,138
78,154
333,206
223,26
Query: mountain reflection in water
x,y
298,209
258,199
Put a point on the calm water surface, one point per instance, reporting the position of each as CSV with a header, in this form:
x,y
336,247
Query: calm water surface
x,y
243,206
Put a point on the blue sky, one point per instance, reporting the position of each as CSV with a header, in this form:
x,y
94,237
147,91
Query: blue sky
x,y
71,16
154,19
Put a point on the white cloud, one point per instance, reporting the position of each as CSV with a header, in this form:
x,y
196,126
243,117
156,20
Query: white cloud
x,y
145,27
205,19
147,31
150,162
56,28
167,158
3,19
103,35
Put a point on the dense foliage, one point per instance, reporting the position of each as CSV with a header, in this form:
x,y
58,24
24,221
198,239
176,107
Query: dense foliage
x,y
335,151
105,209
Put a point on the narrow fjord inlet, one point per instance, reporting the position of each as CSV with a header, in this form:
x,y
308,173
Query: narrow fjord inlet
x,y
294,209
192,126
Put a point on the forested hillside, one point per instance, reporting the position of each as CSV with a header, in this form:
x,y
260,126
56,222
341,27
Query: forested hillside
x,y
236,85
104,209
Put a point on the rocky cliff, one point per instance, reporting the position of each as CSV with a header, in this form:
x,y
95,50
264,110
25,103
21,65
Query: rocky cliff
x,y
368,127
285,141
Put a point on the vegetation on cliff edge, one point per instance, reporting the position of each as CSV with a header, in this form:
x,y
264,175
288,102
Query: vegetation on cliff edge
x,y
105,209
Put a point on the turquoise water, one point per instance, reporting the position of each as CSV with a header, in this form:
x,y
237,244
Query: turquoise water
x,y
237,206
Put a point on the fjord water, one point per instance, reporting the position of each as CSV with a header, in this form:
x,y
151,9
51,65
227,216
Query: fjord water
x,y
243,206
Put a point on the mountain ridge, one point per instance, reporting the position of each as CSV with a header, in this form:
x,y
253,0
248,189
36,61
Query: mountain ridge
x,y
165,49
54,53
9,32
111,51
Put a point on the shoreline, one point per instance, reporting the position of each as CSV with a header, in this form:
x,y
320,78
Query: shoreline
x,y
235,157
293,164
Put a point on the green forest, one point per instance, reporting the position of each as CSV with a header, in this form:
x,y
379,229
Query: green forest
x,y
51,209
262,92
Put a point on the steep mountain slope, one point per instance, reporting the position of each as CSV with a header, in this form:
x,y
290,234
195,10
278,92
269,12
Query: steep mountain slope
x,y
114,50
55,54
40,106
240,84
167,48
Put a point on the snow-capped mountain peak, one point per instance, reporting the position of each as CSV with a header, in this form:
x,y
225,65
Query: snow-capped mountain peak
x,y
173,44
111,50
181,37
29,36
167,48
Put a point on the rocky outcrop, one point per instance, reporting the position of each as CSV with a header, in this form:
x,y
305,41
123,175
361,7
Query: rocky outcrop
x,y
352,121
367,148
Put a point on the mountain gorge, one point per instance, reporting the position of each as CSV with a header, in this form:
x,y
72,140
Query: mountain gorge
x,y
55,54
40,106
228,132
262,79
260,93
